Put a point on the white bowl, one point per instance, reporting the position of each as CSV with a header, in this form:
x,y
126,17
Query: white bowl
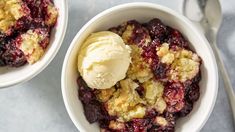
x,y
143,12
13,76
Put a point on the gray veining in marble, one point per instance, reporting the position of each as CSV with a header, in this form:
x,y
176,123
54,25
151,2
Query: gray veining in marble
x,y
37,106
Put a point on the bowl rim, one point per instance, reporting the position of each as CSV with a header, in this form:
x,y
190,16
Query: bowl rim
x,y
121,7
40,69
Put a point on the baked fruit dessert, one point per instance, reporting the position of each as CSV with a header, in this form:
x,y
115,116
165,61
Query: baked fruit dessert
x,y
160,85
25,28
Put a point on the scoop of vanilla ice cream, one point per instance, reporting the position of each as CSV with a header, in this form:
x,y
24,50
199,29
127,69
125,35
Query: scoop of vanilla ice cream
x,y
103,60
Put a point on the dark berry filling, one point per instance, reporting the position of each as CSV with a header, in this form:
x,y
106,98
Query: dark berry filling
x,y
94,110
139,33
157,29
11,56
176,38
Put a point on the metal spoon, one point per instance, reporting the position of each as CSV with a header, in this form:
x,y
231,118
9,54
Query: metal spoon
x,y
210,21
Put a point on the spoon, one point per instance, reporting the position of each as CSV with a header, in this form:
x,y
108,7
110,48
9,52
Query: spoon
x,y
208,22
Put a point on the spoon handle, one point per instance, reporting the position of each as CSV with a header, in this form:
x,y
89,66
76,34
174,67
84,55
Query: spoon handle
x,y
227,83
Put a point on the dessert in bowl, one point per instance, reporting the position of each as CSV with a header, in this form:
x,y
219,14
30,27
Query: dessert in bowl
x,y
29,37
161,69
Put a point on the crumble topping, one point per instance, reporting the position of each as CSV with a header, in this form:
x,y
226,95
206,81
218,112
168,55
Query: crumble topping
x,y
10,12
126,103
116,125
160,105
105,94
137,112
184,63
139,69
165,55
153,90
52,14
29,44
160,121
127,34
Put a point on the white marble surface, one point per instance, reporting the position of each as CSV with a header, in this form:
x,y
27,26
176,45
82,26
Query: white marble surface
x,y
37,106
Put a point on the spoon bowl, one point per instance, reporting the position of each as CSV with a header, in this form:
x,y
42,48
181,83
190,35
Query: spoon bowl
x,y
213,7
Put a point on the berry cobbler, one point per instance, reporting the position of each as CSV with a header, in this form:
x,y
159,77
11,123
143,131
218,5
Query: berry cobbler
x,y
161,82
25,27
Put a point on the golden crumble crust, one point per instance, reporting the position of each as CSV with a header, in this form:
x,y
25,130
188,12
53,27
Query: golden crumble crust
x,y
160,105
52,14
10,12
152,91
139,69
127,33
184,64
161,121
104,95
30,45
125,102
115,125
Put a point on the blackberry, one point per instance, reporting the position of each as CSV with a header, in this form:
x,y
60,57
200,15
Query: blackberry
x,y
176,38
174,96
160,70
156,29
13,56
